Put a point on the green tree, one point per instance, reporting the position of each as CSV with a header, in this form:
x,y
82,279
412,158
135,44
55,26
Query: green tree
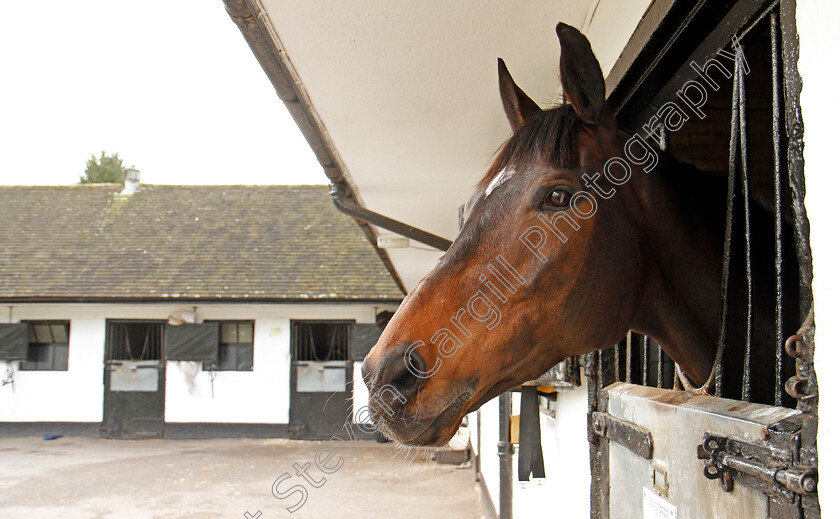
x,y
107,168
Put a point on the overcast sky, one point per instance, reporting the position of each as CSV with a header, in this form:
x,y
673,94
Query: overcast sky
x,y
169,85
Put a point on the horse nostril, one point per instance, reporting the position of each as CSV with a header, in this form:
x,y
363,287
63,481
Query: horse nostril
x,y
398,375
403,380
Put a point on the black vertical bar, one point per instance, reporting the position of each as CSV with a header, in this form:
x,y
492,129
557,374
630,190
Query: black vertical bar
x,y
777,193
795,132
645,352
746,381
109,341
727,238
296,342
660,368
795,170
599,447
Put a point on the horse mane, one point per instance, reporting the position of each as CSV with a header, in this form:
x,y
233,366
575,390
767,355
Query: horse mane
x,y
547,136
550,137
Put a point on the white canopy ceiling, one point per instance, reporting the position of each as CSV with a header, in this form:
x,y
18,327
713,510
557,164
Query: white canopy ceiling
x,y
407,91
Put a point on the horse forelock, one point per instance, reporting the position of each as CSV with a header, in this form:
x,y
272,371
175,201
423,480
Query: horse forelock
x,y
546,137
549,138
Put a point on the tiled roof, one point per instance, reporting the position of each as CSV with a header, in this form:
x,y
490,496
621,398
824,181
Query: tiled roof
x,y
88,242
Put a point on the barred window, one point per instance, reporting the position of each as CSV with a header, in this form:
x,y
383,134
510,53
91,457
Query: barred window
x,y
320,340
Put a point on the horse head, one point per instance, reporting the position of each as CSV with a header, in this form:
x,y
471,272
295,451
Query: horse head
x,y
551,262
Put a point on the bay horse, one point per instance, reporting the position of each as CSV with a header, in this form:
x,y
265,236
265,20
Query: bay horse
x,y
555,260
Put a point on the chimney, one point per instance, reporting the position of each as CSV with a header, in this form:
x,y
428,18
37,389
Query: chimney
x,y
132,180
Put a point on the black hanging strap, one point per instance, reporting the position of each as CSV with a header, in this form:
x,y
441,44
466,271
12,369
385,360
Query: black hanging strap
x,y
530,444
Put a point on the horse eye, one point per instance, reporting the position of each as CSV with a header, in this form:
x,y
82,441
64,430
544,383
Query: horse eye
x,y
558,197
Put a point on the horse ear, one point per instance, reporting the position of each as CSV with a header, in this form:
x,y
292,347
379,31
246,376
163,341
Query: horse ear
x,y
518,106
580,74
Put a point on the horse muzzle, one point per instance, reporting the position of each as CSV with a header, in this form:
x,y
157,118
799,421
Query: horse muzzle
x,y
397,397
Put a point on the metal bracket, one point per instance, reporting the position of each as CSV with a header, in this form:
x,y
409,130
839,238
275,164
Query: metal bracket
x,y
769,470
631,436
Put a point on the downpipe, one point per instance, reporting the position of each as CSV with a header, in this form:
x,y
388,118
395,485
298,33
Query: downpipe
x,y
505,459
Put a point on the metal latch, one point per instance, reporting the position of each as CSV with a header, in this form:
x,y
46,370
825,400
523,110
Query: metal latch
x,y
759,467
635,438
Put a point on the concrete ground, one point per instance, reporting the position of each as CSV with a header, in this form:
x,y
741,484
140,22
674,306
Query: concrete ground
x,y
75,478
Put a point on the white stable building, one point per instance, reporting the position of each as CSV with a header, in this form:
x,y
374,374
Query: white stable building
x,y
184,311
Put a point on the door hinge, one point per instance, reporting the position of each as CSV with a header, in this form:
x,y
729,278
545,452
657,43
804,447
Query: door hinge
x,y
771,470
635,438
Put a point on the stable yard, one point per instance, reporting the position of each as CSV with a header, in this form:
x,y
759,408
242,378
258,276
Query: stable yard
x,y
77,478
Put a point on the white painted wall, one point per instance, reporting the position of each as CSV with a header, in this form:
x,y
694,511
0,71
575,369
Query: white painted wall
x,y
74,395
819,38
565,453
489,446
566,457
361,395
258,396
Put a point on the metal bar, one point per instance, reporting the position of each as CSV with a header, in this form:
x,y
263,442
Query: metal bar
x,y
795,171
599,450
663,138
645,353
340,196
746,382
727,238
617,360
660,368
777,193
600,369
628,357
795,150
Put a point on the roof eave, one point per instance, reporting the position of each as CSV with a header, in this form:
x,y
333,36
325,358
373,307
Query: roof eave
x,y
248,16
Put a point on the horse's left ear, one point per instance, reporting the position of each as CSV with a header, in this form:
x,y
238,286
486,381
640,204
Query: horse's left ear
x,y
580,74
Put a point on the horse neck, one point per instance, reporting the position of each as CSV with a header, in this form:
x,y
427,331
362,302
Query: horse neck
x,y
681,244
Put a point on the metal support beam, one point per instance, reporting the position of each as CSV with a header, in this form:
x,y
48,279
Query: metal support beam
x,y
340,195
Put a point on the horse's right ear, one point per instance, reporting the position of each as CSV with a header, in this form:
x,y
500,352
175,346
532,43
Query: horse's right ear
x,y
518,106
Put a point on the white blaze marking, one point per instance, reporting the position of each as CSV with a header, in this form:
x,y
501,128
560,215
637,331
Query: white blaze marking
x,y
503,176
